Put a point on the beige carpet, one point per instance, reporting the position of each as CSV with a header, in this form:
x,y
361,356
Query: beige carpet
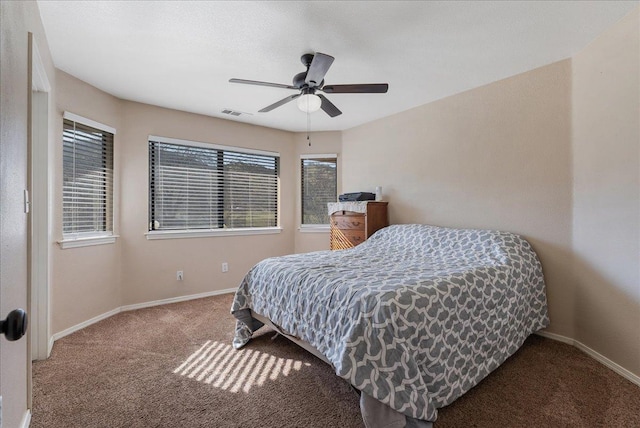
x,y
173,366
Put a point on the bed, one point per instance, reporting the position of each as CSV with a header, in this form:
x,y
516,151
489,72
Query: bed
x,y
413,317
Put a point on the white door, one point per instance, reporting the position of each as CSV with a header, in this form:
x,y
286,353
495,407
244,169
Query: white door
x,y
14,89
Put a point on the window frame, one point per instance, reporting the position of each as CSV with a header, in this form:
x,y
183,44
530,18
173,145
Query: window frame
x,y
314,227
108,236
201,233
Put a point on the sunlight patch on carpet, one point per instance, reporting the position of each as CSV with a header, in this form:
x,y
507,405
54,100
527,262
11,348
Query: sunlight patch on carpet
x,y
222,366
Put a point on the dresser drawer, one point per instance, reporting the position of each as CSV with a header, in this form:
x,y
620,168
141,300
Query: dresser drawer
x,y
346,238
355,221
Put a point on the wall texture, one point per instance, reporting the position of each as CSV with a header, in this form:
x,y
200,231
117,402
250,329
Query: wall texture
x,y
495,157
606,192
85,280
17,19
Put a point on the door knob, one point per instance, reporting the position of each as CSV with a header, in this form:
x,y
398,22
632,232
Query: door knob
x,y
15,325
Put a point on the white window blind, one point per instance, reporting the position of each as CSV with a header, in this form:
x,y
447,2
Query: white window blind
x,y
194,187
87,206
319,186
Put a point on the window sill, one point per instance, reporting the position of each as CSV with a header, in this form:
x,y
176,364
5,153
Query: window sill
x,y
87,241
178,234
315,228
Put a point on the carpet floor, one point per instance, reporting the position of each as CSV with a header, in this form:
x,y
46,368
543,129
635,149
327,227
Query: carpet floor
x,y
173,366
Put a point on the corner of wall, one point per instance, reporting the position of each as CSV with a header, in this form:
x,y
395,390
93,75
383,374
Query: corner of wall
x,y
606,200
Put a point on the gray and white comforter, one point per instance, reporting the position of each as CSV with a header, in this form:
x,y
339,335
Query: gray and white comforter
x,y
415,316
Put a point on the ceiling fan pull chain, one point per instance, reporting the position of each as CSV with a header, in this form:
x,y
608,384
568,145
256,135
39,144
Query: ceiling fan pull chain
x,y
308,128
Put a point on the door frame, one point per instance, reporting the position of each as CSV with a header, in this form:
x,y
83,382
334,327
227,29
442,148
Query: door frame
x,y
40,188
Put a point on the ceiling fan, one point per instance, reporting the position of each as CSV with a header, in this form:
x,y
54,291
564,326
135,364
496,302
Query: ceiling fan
x,y
311,81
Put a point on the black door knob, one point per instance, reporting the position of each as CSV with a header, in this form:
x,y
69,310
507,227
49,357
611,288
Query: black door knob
x,y
15,325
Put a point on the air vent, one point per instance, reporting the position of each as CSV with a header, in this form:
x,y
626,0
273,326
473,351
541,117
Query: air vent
x,y
231,112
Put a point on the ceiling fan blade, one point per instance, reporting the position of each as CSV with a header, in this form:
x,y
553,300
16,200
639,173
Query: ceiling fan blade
x,y
279,103
365,88
319,66
328,107
255,82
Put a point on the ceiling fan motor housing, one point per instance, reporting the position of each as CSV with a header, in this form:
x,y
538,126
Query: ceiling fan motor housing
x,y
299,81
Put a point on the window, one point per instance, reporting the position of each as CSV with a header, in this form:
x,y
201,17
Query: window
x,y
197,186
319,186
87,207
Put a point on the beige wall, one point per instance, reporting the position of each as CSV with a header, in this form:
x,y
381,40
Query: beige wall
x,y
606,205
85,280
90,281
149,267
321,143
495,157
17,19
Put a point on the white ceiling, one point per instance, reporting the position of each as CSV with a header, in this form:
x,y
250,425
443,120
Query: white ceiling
x,y
181,54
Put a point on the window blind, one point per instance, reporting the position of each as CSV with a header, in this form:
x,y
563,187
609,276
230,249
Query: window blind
x,y
319,186
192,187
87,179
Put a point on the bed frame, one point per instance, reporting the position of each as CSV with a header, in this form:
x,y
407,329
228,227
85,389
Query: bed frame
x,y
306,346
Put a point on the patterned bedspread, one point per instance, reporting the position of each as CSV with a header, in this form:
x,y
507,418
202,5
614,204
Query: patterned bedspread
x,y
415,316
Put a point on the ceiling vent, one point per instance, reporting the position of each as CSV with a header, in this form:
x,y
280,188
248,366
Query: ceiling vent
x,y
231,112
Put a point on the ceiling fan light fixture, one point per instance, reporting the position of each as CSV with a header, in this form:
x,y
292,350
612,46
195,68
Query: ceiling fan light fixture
x,y
309,103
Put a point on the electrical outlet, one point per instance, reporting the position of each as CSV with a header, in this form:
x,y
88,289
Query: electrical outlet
x,y
179,275
225,267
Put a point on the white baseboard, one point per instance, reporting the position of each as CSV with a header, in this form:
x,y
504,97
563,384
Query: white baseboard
x,y
175,299
593,354
556,337
84,324
607,362
133,307
26,419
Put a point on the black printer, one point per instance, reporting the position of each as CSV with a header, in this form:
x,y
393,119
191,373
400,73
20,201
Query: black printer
x,y
357,196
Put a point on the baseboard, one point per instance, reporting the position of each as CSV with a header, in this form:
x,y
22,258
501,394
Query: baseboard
x,y
51,340
26,419
607,362
631,377
133,307
557,337
175,299
84,324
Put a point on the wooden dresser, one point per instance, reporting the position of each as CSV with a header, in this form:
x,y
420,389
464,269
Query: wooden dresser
x,y
350,228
